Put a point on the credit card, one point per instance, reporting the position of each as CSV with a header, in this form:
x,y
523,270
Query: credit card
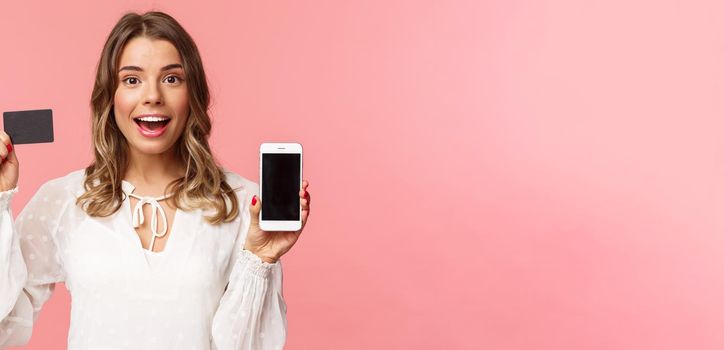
x,y
34,126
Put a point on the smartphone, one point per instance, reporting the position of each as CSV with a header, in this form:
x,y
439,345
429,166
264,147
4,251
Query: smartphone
x,y
280,177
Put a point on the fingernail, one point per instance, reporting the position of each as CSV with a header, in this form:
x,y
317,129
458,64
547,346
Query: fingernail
x,y
10,148
253,200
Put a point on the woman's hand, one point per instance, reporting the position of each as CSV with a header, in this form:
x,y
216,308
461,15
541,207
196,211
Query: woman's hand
x,y
9,166
270,246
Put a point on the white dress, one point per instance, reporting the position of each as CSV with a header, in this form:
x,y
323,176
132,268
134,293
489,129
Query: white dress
x,y
125,297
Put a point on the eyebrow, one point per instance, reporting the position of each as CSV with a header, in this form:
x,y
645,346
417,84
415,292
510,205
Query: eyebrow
x,y
139,69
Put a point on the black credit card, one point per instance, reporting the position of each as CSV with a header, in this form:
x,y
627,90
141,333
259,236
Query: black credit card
x,y
29,126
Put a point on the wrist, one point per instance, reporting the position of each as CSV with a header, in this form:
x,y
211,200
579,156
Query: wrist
x,y
268,260
265,257
6,196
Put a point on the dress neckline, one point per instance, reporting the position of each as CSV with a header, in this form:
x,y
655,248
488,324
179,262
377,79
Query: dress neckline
x,y
137,217
128,187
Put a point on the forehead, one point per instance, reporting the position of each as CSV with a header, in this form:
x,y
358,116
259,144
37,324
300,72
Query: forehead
x,y
148,53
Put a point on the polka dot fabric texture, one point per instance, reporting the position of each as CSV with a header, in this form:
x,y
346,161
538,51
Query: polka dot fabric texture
x,y
203,291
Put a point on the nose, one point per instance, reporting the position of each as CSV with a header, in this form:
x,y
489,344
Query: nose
x,y
153,95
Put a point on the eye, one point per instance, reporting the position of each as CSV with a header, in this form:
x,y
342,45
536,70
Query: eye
x,y
173,79
131,80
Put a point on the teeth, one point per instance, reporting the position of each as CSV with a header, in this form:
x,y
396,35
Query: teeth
x,y
152,119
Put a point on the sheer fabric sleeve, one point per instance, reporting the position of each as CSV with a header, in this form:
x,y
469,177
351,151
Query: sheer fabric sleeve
x,y
252,311
29,262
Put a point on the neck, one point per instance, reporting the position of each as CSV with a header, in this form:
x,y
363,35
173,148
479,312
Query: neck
x,y
153,169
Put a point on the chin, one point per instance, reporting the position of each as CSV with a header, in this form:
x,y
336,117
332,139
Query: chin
x,y
153,147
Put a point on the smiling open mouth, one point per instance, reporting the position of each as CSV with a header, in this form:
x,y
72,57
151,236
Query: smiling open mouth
x,y
152,123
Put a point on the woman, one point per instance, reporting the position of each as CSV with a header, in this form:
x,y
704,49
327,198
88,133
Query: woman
x,y
159,247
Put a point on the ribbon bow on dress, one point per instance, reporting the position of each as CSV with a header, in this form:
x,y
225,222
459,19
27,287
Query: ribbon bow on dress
x,y
155,208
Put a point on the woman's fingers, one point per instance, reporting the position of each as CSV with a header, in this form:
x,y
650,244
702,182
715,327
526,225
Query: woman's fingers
x,y
7,151
305,199
254,209
303,193
305,215
4,149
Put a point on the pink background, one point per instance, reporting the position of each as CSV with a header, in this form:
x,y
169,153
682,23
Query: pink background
x,y
486,175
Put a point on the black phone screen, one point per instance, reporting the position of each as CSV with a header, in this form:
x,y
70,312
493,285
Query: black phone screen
x,y
280,186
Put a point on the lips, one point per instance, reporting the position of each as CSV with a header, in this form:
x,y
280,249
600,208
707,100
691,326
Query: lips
x,y
152,125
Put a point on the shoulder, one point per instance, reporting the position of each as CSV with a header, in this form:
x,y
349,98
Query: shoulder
x,y
241,184
67,186
242,187
54,196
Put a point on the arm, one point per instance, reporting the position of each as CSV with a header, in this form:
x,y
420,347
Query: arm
x,y
29,266
252,311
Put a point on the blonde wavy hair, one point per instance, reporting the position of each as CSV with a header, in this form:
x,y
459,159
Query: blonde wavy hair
x,y
204,185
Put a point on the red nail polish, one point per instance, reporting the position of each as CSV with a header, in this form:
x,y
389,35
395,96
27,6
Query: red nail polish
x,y
10,148
253,200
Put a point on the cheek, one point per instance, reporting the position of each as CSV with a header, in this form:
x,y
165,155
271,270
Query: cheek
x,y
181,104
123,102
